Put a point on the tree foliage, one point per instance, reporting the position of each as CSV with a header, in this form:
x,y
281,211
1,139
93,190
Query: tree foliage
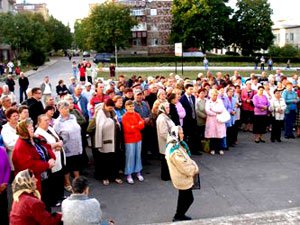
x,y
285,51
109,24
252,26
200,23
31,36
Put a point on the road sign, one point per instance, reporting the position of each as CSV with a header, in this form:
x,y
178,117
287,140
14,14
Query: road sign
x,y
178,49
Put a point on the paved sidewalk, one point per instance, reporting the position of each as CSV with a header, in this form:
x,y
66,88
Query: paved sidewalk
x,y
41,68
279,217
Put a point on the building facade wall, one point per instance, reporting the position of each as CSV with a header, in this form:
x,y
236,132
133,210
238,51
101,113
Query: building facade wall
x,y
287,35
35,8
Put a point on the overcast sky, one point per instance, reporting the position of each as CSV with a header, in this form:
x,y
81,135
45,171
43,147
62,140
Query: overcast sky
x,y
69,10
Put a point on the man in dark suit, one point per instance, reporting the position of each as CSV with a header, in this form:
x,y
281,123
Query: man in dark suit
x,y
188,102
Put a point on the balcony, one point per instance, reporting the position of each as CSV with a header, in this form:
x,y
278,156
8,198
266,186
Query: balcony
x,y
140,27
138,12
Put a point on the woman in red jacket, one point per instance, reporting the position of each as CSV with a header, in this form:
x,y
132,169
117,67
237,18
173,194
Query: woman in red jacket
x,y
27,207
34,154
132,125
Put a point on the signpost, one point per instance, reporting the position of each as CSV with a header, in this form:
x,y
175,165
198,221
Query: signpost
x,y
179,52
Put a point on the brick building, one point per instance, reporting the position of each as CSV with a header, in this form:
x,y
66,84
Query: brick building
x,y
151,35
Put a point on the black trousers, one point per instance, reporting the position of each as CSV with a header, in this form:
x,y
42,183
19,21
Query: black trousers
x,y
185,200
165,173
47,194
107,165
215,144
3,208
277,126
191,136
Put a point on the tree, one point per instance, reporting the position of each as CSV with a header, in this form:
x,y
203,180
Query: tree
x,y
107,26
253,25
60,36
200,23
285,51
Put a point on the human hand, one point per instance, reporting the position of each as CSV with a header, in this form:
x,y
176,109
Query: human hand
x,y
3,187
51,163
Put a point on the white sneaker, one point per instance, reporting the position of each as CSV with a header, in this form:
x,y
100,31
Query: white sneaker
x,y
140,177
130,180
221,152
212,152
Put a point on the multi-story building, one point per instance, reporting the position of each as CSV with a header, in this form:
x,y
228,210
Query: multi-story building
x,y
151,35
35,8
5,50
286,33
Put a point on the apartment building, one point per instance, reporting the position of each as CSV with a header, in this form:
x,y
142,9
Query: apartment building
x,y
286,32
35,8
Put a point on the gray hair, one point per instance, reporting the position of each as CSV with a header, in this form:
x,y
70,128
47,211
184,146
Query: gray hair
x,y
62,104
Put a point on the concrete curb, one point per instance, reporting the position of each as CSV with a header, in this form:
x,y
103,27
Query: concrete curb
x,y
282,217
41,68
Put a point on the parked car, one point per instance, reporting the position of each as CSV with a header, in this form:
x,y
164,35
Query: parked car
x,y
86,54
102,57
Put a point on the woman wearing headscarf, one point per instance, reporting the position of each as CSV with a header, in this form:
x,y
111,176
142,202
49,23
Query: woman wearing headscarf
x,y
27,207
35,154
69,130
163,127
182,170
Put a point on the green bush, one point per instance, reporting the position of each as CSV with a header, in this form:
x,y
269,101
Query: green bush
x,y
37,58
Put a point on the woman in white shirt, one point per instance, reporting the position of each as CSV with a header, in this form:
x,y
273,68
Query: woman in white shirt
x,y
56,178
9,132
277,107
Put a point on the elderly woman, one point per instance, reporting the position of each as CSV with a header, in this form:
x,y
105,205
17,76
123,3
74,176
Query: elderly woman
x,y
261,105
57,173
9,133
163,126
68,129
182,170
200,111
27,207
161,97
277,107
35,154
179,107
214,130
291,100
105,142
247,106
173,100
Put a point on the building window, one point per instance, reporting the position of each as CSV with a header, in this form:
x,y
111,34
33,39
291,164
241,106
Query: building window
x,y
136,42
153,12
286,36
292,36
154,42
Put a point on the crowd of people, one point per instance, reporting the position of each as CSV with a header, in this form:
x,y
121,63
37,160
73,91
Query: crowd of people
x,y
129,121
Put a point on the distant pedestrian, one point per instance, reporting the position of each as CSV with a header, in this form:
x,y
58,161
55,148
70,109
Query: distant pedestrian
x,y
262,63
205,63
23,84
10,65
74,69
46,88
288,64
256,61
270,64
112,70
10,83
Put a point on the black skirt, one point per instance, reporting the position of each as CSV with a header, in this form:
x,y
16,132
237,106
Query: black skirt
x,y
260,124
73,163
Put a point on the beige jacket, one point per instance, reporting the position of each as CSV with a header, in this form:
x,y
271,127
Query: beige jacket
x,y
182,168
163,127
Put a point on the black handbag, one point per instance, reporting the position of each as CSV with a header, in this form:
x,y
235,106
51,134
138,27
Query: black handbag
x,y
197,182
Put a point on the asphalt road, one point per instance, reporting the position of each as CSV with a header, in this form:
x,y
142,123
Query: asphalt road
x,y
249,178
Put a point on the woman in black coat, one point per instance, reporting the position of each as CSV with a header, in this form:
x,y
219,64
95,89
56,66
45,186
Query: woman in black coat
x,y
172,99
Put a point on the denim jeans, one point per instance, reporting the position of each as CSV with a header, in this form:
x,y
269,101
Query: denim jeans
x,y
133,163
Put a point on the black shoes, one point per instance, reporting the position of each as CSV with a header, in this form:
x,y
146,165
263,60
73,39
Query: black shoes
x,y
181,218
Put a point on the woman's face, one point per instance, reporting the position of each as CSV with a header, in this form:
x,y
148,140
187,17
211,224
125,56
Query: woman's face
x,y
277,95
30,130
289,87
24,114
14,118
260,91
202,95
50,113
214,96
230,93
181,135
119,103
162,96
64,111
109,108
